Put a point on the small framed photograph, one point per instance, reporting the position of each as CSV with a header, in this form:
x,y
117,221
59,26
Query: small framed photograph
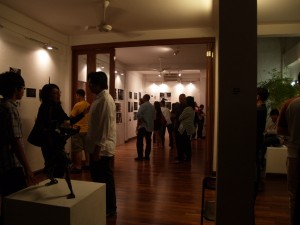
x,y
130,95
120,94
135,105
31,92
135,116
119,117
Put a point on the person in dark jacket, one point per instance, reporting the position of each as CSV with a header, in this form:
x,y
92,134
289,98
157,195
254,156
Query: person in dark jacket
x,y
51,121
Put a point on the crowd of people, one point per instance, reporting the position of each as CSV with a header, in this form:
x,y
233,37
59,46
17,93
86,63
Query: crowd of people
x,y
96,135
184,122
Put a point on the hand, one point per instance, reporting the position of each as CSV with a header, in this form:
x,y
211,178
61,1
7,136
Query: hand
x,y
96,154
31,179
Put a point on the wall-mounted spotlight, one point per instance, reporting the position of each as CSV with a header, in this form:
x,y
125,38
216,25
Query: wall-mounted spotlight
x,y
49,47
46,46
176,51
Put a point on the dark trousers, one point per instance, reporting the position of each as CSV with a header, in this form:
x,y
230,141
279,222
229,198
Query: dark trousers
x,y
200,128
11,181
102,172
143,133
56,161
184,149
170,132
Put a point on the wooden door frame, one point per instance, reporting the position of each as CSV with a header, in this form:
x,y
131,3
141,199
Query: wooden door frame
x,y
210,80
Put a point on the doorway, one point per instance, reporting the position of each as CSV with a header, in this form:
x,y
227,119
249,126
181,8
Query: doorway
x,y
109,54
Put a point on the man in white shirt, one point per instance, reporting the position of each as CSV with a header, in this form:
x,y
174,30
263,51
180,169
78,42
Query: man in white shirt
x,y
146,116
167,114
101,137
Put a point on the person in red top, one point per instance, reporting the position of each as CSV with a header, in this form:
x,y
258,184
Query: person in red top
x,y
288,125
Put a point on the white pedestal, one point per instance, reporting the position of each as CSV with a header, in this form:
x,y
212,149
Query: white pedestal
x,y
48,205
276,160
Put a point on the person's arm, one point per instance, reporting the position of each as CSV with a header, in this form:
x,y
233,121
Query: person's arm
x,y
184,114
18,149
282,125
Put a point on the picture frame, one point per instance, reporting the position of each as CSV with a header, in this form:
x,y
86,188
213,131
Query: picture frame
x,y
120,94
135,105
31,92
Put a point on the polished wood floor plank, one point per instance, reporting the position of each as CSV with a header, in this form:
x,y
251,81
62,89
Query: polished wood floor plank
x,y
159,192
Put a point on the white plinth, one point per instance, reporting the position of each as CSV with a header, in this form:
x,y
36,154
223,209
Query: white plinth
x,y
48,205
276,160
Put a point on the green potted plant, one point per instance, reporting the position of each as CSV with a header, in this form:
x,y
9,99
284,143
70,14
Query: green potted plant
x,y
280,88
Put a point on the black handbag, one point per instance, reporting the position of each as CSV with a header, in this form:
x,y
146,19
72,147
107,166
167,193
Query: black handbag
x,y
36,136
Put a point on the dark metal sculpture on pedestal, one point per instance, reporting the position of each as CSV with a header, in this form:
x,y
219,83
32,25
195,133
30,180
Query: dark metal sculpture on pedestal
x,y
62,134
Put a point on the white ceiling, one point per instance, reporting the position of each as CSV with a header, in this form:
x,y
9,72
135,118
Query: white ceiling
x,y
133,17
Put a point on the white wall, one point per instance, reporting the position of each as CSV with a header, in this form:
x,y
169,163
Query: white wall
x,y
135,84
119,84
175,88
37,65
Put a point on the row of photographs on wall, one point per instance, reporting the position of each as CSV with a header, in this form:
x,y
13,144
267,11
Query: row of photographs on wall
x,y
119,95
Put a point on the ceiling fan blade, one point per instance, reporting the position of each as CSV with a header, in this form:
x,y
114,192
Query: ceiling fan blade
x,y
105,6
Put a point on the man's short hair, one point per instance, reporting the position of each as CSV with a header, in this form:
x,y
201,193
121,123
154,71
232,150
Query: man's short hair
x,y
9,82
146,97
263,93
80,92
98,78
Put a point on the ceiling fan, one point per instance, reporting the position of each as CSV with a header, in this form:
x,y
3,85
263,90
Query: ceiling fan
x,y
103,26
106,28
161,67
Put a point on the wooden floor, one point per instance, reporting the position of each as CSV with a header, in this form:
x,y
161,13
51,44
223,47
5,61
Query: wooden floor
x,y
162,193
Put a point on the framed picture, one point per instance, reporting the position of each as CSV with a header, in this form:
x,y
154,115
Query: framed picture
x,y
31,92
135,95
131,106
135,116
118,107
120,94
135,105
130,95
118,117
